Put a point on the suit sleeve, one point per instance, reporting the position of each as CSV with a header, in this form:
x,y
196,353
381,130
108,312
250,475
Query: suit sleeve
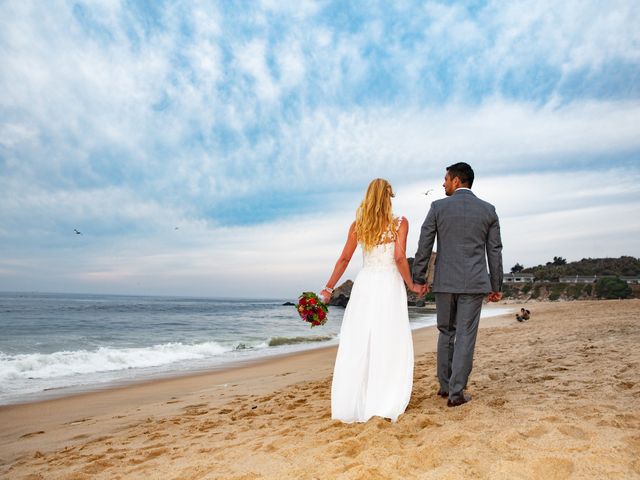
x,y
425,247
494,254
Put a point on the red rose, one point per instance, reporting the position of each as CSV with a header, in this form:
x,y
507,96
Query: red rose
x,y
312,301
321,315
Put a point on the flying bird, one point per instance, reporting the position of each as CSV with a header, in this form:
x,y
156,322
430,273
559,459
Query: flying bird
x,y
77,232
428,191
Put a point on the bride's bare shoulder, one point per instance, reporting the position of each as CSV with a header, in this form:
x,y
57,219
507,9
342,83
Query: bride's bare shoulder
x,y
400,221
352,229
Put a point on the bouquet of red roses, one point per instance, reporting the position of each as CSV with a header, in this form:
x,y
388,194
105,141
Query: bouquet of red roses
x,y
311,309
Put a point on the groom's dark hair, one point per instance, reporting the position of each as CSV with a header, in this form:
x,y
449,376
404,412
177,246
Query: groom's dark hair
x,y
463,171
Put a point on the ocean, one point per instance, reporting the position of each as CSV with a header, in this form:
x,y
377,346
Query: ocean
x,y
59,344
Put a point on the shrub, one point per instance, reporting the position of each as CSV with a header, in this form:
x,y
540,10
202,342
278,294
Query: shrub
x,y
612,288
526,288
588,288
536,291
556,290
574,291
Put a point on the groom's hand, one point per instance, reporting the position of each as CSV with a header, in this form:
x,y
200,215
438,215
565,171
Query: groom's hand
x,y
423,290
494,297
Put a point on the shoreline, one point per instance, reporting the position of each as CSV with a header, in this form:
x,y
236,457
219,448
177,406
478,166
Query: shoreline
x,y
554,397
119,405
58,393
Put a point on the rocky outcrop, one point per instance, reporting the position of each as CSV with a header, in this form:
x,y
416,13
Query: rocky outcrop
x,y
341,294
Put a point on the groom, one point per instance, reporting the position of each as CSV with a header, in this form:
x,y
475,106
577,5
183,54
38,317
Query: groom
x,y
467,228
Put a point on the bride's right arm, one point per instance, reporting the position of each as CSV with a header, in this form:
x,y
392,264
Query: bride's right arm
x,y
343,261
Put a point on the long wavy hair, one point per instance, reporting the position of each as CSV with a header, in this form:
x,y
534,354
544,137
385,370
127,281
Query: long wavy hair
x,y
374,215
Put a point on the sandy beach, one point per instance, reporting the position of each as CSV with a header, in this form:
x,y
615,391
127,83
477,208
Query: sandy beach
x,y
556,397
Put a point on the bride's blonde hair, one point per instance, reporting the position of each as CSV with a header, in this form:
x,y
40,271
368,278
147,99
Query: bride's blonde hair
x,y
374,216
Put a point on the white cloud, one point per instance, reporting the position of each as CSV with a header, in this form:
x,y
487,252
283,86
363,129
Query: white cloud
x,y
252,60
136,130
291,63
573,214
14,134
355,144
542,215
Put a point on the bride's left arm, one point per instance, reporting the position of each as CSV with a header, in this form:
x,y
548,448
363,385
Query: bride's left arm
x,y
342,263
400,254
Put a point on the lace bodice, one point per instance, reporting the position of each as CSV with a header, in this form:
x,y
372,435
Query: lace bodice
x,y
379,256
382,254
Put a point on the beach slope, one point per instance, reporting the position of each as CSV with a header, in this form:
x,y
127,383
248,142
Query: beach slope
x,y
556,397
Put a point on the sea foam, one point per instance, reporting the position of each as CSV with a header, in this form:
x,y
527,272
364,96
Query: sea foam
x,y
104,359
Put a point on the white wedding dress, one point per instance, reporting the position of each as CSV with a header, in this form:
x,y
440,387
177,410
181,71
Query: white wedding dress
x,y
373,374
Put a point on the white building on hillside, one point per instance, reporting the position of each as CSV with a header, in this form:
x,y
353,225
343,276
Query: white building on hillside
x,y
518,278
579,279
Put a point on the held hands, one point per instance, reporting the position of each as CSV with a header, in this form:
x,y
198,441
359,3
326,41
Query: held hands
x,y
418,289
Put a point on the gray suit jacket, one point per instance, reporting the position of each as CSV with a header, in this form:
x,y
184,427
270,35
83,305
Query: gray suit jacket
x,y
467,229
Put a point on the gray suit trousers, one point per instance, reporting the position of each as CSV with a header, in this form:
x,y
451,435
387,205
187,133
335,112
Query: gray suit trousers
x,y
458,317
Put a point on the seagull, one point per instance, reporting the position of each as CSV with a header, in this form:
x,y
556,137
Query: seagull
x,y
77,232
428,191
177,228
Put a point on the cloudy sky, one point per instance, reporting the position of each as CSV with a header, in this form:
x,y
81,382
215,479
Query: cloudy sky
x,y
221,148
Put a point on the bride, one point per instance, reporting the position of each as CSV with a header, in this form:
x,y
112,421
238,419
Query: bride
x,y
373,374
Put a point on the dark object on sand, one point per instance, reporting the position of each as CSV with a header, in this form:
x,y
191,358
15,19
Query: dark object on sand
x,y
524,315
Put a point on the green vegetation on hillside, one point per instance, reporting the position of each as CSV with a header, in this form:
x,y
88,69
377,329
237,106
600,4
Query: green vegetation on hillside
x,y
612,288
623,266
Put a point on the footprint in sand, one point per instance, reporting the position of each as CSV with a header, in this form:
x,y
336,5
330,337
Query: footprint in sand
x,y
497,402
553,468
423,421
535,432
348,448
627,420
574,432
